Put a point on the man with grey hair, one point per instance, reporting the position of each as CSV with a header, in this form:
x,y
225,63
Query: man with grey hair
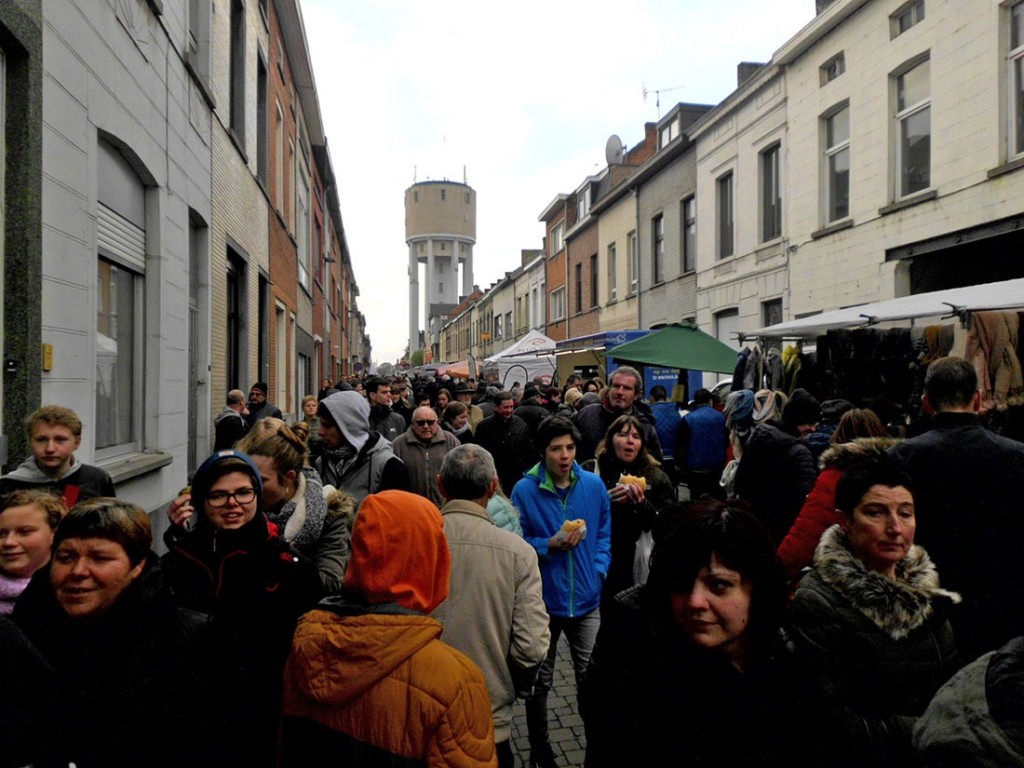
x,y
968,486
624,397
422,448
507,639
230,425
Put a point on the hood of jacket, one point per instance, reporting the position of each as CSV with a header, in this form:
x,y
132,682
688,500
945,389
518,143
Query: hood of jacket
x,y
227,412
844,455
772,436
345,648
29,472
896,606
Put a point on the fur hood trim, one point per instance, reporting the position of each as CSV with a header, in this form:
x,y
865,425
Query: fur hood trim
x,y
897,607
843,455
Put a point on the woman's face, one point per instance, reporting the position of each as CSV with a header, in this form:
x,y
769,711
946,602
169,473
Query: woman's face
x,y
25,540
590,387
461,420
277,488
715,612
233,514
88,575
442,401
309,408
881,528
627,443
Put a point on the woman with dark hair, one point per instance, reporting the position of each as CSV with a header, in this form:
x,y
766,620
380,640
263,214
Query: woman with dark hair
x,y
638,489
860,436
870,622
235,568
442,399
690,668
122,653
456,420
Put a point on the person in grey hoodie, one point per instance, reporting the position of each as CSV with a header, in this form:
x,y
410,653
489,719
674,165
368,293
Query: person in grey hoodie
x,y
230,425
55,432
354,459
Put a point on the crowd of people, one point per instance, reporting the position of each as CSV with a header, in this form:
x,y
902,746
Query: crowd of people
x,y
769,581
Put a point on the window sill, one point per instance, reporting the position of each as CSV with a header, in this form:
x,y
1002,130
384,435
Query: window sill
x,y
135,465
831,229
239,144
1007,167
907,202
192,65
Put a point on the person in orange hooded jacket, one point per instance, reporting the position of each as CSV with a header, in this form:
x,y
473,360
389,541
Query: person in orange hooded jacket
x,y
369,682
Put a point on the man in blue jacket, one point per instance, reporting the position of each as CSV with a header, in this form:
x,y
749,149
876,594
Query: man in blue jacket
x,y
574,560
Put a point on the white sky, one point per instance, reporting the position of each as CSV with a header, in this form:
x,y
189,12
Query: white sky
x,y
524,95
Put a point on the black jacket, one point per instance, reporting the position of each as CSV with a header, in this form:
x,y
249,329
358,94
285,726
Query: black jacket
x,y
594,420
130,692
510,445
968,491
776,473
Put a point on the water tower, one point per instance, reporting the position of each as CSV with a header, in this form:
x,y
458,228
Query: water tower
x,y
440,230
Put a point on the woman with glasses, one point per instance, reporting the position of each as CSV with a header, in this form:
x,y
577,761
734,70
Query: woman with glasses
x,y
235,568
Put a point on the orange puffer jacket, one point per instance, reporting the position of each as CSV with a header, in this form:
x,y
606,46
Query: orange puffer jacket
x,y
374,686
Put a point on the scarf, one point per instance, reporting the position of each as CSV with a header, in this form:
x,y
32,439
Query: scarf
x,y
301,519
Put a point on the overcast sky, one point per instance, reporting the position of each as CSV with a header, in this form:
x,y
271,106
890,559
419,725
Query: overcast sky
x,y
523,95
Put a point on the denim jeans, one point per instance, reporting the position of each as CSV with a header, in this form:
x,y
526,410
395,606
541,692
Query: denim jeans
x,y
581,632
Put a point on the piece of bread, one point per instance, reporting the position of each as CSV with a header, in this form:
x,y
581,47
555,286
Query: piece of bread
x,y
573,525
625,479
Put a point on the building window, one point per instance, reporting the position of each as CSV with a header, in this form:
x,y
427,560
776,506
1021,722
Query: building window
x,y
279,158
557,238
727,326
771,195
688,215
467,198
558,304
579,288
725,227
1016,79
415,195
198,43
118,354
262,128
302,227
444,194
906,16
497,327
837,165
508,325
913,129
658,248
668,133
233,336
593,280
771,314
634,263
612,286
583,204
832,68
236,98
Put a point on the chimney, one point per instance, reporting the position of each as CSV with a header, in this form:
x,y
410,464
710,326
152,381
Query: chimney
x,y
745,70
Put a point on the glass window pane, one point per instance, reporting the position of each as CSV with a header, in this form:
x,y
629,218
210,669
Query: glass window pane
x,y
115,353
1017,25
914,85
839,185
1018,103
915,151
838,127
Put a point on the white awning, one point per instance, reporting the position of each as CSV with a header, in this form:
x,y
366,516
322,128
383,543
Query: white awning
x,y
1008,294
530,344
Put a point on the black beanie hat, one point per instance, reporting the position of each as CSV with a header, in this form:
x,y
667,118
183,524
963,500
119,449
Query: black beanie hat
x,y
801,408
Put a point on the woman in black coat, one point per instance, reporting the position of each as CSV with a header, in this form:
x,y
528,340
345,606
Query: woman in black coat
x,y
636,503
236,569
120,651
690,669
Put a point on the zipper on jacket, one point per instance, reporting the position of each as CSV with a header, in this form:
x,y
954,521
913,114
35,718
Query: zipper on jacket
x,y
572,581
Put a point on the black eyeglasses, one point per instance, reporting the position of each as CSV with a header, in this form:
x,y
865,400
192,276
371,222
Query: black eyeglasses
x,y
220,498
425,422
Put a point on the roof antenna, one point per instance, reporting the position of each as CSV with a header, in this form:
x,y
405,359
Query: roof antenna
x,y
657,95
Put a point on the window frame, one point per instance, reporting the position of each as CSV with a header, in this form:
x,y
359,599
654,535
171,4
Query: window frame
x,y
658,248
557,302
832,149
557,238
578,280
902,115
688,233
1015,82
912,12
595,298
612,282
770,188
725,232
633,263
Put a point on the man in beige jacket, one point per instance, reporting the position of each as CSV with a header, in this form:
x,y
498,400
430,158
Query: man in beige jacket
x,y
508,641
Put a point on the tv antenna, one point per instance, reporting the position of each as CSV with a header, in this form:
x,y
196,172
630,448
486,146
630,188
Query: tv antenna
x,y
657,95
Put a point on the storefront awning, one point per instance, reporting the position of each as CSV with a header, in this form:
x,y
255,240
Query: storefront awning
x,y
1008,294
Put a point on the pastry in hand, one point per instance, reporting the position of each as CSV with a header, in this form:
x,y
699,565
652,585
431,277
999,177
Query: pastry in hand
x,y
625,479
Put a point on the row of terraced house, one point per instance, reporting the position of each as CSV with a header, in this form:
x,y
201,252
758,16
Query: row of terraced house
x,y
171,226
880,153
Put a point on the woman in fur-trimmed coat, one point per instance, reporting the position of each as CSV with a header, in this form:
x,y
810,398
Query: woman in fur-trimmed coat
x,y
870,621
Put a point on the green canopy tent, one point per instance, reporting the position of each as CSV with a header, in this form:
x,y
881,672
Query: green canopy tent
x,y
680,345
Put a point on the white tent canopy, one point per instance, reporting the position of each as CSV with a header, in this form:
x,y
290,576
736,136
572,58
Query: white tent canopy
x,y
1008,294
534,341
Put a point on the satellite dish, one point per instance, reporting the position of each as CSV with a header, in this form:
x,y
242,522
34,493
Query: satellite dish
x,y
614,152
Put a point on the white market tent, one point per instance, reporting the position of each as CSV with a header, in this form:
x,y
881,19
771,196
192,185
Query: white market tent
x,y
528,358
1007,294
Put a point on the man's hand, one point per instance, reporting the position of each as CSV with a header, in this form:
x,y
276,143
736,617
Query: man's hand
x,y
181,510
572,538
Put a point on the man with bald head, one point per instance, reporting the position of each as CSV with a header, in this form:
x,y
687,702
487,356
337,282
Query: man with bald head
x,y
422,448
230,425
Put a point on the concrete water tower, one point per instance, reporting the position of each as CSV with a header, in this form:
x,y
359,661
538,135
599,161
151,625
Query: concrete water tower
x,y
440,230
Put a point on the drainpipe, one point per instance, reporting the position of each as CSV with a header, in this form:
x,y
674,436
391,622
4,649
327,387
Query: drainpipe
x,y
636,215
565,248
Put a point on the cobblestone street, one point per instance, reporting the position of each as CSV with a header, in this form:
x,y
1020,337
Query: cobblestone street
x,y
565,725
